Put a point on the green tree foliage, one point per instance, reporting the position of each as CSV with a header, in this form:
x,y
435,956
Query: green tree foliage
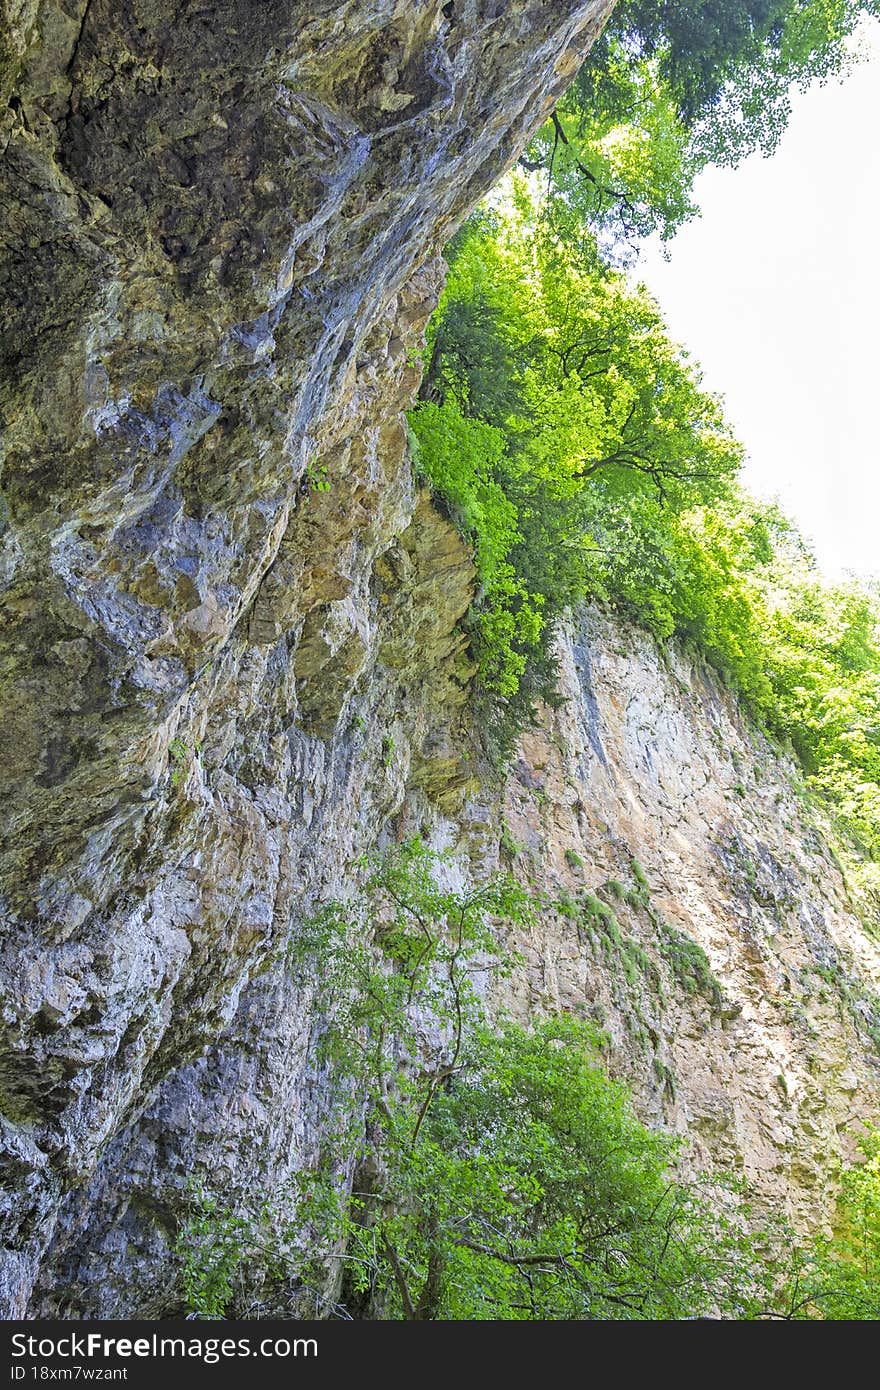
x,y
615,157
843,1278
575,446
837,1278
533,1192
500,1172
577,407
670,88
710,55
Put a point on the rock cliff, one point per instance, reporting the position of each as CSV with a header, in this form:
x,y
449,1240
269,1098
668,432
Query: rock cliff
x,y
648,791
218,222
231,655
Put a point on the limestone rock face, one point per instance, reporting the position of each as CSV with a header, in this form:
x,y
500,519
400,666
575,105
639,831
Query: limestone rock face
x,y
232,655
217,232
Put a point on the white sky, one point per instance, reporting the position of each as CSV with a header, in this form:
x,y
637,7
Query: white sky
x,y
775,290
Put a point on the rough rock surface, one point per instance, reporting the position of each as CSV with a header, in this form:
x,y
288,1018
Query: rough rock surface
x,y
217,223
738,989
230,648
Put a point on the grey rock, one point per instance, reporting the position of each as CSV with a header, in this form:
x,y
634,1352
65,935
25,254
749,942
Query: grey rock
x,y
217,236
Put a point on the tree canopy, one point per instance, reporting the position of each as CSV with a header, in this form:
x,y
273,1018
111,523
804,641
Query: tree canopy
x,y
552,397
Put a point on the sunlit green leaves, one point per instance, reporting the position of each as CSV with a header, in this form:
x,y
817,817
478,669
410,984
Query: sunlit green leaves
x,y
669,89
599,416
602,469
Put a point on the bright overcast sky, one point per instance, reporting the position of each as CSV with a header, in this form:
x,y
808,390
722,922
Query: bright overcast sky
x,y
775,290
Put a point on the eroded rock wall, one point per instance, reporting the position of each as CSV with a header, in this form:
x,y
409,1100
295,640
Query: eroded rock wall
x,y
648,791
688,903
217,224
232,660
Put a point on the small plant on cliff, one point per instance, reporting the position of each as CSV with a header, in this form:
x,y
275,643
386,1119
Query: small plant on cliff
x,y
689,962
507,844
177,752
180,754
316,478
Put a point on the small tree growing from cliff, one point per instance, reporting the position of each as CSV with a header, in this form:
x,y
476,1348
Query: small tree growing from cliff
x,y
531,1191
502,1173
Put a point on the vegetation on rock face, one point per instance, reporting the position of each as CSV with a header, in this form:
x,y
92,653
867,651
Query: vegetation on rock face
x,y
847,1268
670,88
574,445
499,1172
573,441
567,434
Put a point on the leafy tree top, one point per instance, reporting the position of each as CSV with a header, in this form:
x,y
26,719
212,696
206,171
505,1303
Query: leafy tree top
x,y
670,88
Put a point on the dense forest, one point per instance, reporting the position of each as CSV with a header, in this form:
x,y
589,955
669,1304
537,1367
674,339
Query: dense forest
x,y
572,443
